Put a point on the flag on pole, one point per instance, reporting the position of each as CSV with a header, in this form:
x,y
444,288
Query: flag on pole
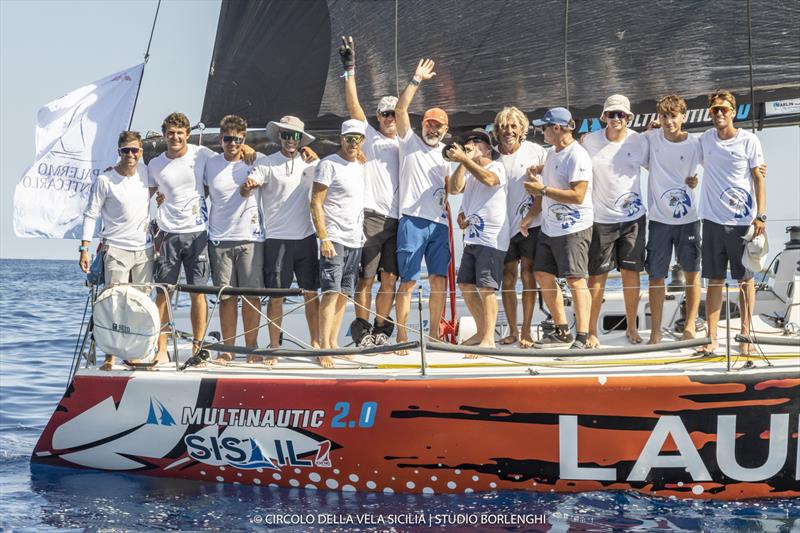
x,y
76,139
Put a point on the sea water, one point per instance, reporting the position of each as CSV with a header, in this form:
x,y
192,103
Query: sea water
x,y
41,309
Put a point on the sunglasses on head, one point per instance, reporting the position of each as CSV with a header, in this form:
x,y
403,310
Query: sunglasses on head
x,y
130,150
387,114
616,114
353,139
291,135
714,109
235,139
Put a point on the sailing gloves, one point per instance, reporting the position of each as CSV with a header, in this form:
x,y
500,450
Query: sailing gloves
x,y
347,53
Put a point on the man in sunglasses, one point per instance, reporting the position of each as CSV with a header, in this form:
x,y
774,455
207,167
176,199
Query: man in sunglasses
x,y
284,181
565,185
618,239
235,235
381,209
121,197
733,199
480,275
337,209
422,232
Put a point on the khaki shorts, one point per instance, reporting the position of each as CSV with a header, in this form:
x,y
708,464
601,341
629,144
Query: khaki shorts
x,y
237,264
126,266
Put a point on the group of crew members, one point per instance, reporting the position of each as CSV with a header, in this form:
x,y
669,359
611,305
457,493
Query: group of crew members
x,y
378,208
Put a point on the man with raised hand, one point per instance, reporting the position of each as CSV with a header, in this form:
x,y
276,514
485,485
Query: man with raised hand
x,y
423,231
381,209
337,209
121,197
565,186
733,199
517,155
284,180
672,158
235,234
483,183
618,240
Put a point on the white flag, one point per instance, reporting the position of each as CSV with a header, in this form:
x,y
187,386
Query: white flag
x,y
76,139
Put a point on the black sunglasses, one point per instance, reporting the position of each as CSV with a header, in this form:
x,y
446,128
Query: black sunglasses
x,y
291,135
235,139
387,114
130,150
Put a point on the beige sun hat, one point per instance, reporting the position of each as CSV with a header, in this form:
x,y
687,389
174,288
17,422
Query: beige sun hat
x,y
755,251
617,102
288,123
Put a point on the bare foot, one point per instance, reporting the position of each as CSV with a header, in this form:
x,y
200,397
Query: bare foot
x,y
162,357
402,337
107,365
592,342
326,362
481,345
474,341
472,356
708,349
511,339
745,348
253,359
687,335
224,358
270,361
526,342
655,337
633,336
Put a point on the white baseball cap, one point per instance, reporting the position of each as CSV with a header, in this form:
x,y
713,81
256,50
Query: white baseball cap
x,y
387,103
354,126
755,251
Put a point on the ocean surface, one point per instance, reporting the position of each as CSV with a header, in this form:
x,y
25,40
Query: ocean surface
x,y
41,308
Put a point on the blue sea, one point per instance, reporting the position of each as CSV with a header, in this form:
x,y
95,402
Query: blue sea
x,y
41,307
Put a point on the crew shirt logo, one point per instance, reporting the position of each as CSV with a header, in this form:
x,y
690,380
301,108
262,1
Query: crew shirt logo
x,y
524,206
439,198
629,203
738,200
678,200
565,215
475,227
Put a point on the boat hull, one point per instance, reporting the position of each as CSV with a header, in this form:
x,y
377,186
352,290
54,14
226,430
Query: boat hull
x,y
719,436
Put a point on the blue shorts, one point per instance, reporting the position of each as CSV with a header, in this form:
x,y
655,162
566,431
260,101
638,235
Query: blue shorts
x,y
663,238
417,238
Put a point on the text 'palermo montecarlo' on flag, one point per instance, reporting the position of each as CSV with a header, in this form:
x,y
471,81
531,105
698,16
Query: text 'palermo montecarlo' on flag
x,y
76,139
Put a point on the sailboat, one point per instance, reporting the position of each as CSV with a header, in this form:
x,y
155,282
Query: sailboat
x,y
658,420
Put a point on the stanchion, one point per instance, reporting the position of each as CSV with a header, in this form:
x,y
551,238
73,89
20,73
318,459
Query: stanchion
x,y
421,332
728,326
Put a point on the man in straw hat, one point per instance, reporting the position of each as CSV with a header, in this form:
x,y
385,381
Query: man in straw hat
x,y
284,180
337,208
381,208
423,231
733,200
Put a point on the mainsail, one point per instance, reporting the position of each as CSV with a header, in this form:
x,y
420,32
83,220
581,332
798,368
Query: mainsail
x,y
276,58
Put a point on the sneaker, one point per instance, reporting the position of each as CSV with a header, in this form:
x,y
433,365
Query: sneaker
x,y
381,339
578,345
367,341
555,340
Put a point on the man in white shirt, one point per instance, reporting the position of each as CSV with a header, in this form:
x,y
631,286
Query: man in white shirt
x,y
517,155
423,231
565,186
284,181
381,209
618,239
673,156
337,209
733,198
480,275
235,235
122,199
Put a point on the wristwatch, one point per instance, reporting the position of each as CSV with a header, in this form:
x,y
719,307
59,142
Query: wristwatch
x,y
762,217
83,248
544,190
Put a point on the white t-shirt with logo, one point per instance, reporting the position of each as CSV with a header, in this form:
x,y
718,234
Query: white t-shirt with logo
x,y
519,201
728,193
180,180
285,195
422,173
344,202
570,165
485,210
232,217
616,169
669,199
382,171
123,202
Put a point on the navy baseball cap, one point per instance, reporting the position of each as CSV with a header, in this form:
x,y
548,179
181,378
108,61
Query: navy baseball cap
x,y
556,115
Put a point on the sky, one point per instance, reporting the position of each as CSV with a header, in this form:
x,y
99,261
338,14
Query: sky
x,y
48,48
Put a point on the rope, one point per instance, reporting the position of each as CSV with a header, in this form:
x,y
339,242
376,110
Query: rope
x,y
566,39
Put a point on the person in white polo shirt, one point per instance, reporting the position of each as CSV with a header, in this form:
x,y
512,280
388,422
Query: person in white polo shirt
x,y
733,198
618,239
121,197
423,231
480,275
381,209
337,209
284,181
565,186
235,234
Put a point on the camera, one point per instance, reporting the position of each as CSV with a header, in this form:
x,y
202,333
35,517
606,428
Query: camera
x,y
448,147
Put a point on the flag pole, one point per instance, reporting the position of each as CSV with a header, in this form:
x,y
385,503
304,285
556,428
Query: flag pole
x,y
146,57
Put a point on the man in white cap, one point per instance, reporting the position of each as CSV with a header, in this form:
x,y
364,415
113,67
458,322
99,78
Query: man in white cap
x,y
733,199
565,186
381,209
618,240
423,230
284,180
480,275
517,155
337,209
